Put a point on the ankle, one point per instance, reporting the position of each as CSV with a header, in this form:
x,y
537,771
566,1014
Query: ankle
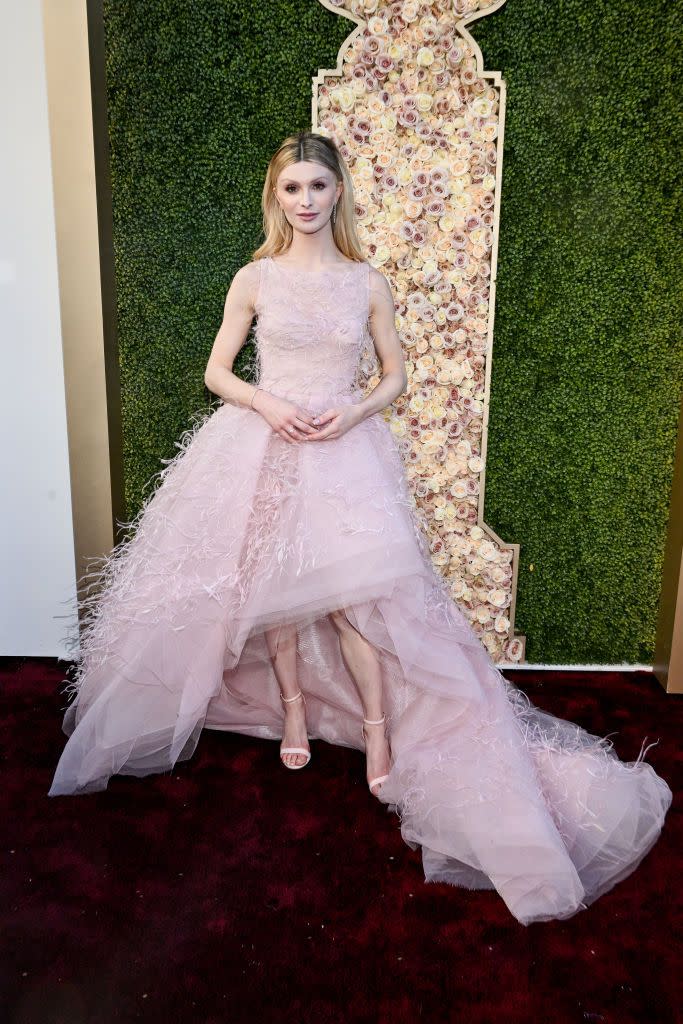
x,y
379,719
374,730
292,701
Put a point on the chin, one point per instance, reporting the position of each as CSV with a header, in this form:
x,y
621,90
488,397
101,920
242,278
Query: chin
x,y
309,225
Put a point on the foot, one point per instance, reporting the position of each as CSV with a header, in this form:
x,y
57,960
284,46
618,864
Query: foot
x,y
294,731
378,755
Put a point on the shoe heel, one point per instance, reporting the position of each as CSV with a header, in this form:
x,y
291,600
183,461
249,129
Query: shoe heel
x,y
294,750
381,778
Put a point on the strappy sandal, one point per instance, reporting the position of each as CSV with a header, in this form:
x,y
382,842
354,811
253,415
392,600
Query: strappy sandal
x,y
294,750
381,778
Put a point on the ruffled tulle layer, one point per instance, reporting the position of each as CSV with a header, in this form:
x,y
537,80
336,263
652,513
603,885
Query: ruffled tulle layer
x,y
246,532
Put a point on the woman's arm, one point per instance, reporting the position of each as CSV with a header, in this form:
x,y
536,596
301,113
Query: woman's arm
x,y
382,327
285,418
238,314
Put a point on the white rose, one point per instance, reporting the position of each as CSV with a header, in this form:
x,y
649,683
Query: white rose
x,y
424,56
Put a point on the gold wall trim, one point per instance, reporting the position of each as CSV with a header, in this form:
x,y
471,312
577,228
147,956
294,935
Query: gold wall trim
x,y
668,666
74,61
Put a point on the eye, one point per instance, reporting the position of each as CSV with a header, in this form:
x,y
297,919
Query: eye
x,y
322,184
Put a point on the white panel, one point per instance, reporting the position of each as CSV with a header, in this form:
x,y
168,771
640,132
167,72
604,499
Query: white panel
x,y
37,568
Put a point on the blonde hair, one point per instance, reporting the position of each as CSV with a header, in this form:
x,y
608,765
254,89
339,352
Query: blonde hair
x,y
276,228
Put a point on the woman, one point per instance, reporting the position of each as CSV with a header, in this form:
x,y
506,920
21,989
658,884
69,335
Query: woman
x,y
278,583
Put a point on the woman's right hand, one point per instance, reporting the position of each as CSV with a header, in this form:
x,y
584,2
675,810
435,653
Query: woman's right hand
x,y
286,419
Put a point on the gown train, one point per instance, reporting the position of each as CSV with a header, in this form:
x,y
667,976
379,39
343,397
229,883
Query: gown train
x,y
246,531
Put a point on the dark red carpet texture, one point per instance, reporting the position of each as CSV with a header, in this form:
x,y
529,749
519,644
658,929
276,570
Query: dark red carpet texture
x,y
235,890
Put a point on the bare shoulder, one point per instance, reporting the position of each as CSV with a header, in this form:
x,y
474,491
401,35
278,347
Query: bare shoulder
x,y
245,283
249,273
380,289
379,280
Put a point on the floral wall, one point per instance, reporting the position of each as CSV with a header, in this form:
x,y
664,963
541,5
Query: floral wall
x,y
420,125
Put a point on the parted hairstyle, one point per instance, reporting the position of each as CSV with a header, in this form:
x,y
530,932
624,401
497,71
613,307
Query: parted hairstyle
x,y
276,228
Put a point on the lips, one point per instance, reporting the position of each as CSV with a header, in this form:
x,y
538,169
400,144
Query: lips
x,y
307,216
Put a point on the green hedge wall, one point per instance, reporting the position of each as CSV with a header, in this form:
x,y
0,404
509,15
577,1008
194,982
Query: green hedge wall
x,y
587,365
200,96
588,358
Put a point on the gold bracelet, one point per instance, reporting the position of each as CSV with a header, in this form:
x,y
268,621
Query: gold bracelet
x,y
251,404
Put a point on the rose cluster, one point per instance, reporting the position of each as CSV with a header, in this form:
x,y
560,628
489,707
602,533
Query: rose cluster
x,y
419,128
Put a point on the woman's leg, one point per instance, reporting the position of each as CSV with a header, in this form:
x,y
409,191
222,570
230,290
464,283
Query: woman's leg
x,y
281,641
363,664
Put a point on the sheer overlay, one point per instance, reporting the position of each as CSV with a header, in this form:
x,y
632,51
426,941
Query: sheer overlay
x,y
246,531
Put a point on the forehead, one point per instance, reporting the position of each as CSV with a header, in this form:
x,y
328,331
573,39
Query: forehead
x,y
303,171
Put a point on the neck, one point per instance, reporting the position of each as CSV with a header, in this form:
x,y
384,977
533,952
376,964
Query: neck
x,y
314,250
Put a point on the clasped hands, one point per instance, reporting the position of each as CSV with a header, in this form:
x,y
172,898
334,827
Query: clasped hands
x,y
294,424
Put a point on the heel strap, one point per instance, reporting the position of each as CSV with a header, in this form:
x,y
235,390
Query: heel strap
x,y
375,721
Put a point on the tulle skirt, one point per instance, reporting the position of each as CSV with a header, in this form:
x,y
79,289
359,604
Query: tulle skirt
x,y
246,532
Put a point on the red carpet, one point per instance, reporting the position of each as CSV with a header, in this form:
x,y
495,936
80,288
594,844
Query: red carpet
x,y
235,890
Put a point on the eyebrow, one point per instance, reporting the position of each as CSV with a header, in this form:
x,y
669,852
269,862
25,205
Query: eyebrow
x,y
292,181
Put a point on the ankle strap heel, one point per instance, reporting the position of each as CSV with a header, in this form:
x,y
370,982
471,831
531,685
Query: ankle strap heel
x,y
288,700
294,750
374,721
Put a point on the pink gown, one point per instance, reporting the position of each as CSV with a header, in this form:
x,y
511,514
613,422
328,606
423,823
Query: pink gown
x,y
246,531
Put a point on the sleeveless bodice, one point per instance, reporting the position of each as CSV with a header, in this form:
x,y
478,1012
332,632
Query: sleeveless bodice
x,y
311,330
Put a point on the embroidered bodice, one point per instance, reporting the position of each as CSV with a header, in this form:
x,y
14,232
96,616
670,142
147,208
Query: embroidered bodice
x,y
311,330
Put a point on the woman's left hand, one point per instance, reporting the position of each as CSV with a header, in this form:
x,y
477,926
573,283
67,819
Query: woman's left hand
x,y
338,422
